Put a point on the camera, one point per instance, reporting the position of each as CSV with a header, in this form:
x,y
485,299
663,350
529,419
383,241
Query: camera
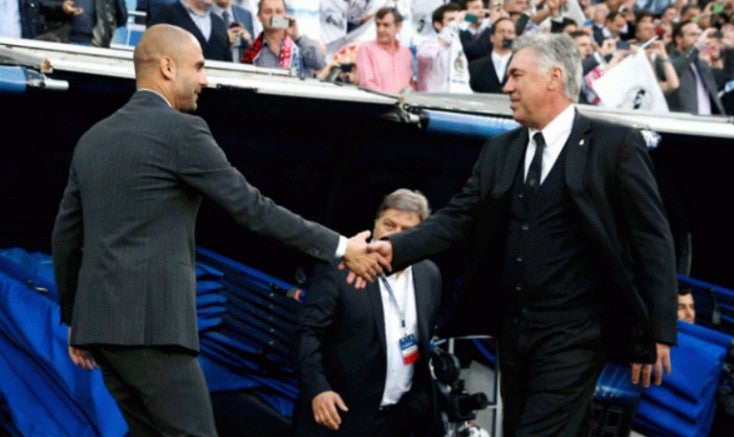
x,y
280,22
456,404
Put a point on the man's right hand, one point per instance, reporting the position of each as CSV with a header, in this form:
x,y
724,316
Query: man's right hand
x,y
70,8
324,407
362,263
382,248
81,357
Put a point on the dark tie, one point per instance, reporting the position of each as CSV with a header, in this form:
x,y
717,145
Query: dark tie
x,y
533,178
225,17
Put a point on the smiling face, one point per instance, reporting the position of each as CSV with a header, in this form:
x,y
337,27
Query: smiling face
x,y
527,86
190,76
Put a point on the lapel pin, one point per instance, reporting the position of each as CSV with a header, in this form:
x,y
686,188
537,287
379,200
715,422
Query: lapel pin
x,y
581,143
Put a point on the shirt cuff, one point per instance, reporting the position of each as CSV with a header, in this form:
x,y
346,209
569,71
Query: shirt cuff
x,y
341,248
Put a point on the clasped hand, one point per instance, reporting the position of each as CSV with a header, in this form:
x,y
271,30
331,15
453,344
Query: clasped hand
x,y
364,261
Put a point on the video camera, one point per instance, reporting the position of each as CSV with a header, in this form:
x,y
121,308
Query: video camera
x,y
456,404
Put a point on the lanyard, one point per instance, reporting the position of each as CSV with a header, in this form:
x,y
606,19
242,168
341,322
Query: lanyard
x,y
394,301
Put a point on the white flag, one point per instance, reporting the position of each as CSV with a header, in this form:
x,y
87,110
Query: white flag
x,y
631,85
458,65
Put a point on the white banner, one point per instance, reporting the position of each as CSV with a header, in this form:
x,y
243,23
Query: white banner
x,y
631,85
458,65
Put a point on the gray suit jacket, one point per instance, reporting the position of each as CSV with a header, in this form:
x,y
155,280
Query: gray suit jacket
x,y
685,98
123,240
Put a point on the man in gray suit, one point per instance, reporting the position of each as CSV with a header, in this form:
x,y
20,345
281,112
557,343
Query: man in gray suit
x,y
123,240
698,90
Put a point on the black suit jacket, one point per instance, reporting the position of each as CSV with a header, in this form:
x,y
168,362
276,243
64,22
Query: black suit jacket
x,y
123,241
340,346
475,46
217,47
483,77
609,176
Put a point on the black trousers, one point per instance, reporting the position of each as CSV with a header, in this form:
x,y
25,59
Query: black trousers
x,y
548,374
161,391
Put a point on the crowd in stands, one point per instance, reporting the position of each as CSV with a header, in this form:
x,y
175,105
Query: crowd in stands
x,y
386,46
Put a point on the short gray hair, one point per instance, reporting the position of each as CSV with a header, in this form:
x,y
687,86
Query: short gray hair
x,y
405,200
555,50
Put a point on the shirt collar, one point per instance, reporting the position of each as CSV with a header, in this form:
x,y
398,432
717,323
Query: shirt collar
x,y
559,129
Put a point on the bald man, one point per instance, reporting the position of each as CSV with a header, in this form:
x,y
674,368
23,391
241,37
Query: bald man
x,y
123,240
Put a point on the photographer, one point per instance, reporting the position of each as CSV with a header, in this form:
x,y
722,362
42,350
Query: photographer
x,y
281,44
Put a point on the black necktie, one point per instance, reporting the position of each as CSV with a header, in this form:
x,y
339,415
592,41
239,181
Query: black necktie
x,y
225,17
533,178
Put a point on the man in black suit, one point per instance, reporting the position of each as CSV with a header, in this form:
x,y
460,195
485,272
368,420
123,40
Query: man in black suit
x,y
488,73
358,374
123,241
577,257
192,17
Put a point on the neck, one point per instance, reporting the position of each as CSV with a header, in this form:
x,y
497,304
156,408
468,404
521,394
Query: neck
x,y
391,46
274,36
554,111
198,6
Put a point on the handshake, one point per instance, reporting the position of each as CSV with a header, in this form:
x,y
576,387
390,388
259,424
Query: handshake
x,y
366,261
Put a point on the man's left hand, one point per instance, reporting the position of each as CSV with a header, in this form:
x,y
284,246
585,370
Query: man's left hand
x,y
662,361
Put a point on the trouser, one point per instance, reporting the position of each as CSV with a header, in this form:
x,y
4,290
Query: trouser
x,y
160,390
548,376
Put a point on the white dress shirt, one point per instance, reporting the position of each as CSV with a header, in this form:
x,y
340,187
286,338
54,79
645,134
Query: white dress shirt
x,y
399,376
556,134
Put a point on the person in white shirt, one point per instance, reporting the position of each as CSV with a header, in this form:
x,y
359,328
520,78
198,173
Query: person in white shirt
x,y
434,54
488,74
363,354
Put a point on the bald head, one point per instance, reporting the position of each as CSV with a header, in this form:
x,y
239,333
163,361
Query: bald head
x,y
169,61
158,41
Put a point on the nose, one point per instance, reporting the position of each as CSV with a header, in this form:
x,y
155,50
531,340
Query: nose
x,y
507,88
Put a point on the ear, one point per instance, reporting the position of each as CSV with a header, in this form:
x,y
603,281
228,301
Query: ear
x,y
167,67
555,81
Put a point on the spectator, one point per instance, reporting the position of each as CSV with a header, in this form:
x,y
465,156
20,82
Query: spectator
x,y
384,64
281,44
474,32
433,54
598,27
123,239
584,43
686,306
21,18
363,355
489,73
239,26
698,91
196,17
657,55
86,22
617,26
150,7
656,7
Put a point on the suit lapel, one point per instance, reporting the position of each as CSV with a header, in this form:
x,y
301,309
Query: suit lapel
x,y
515,153
577,151
375,297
